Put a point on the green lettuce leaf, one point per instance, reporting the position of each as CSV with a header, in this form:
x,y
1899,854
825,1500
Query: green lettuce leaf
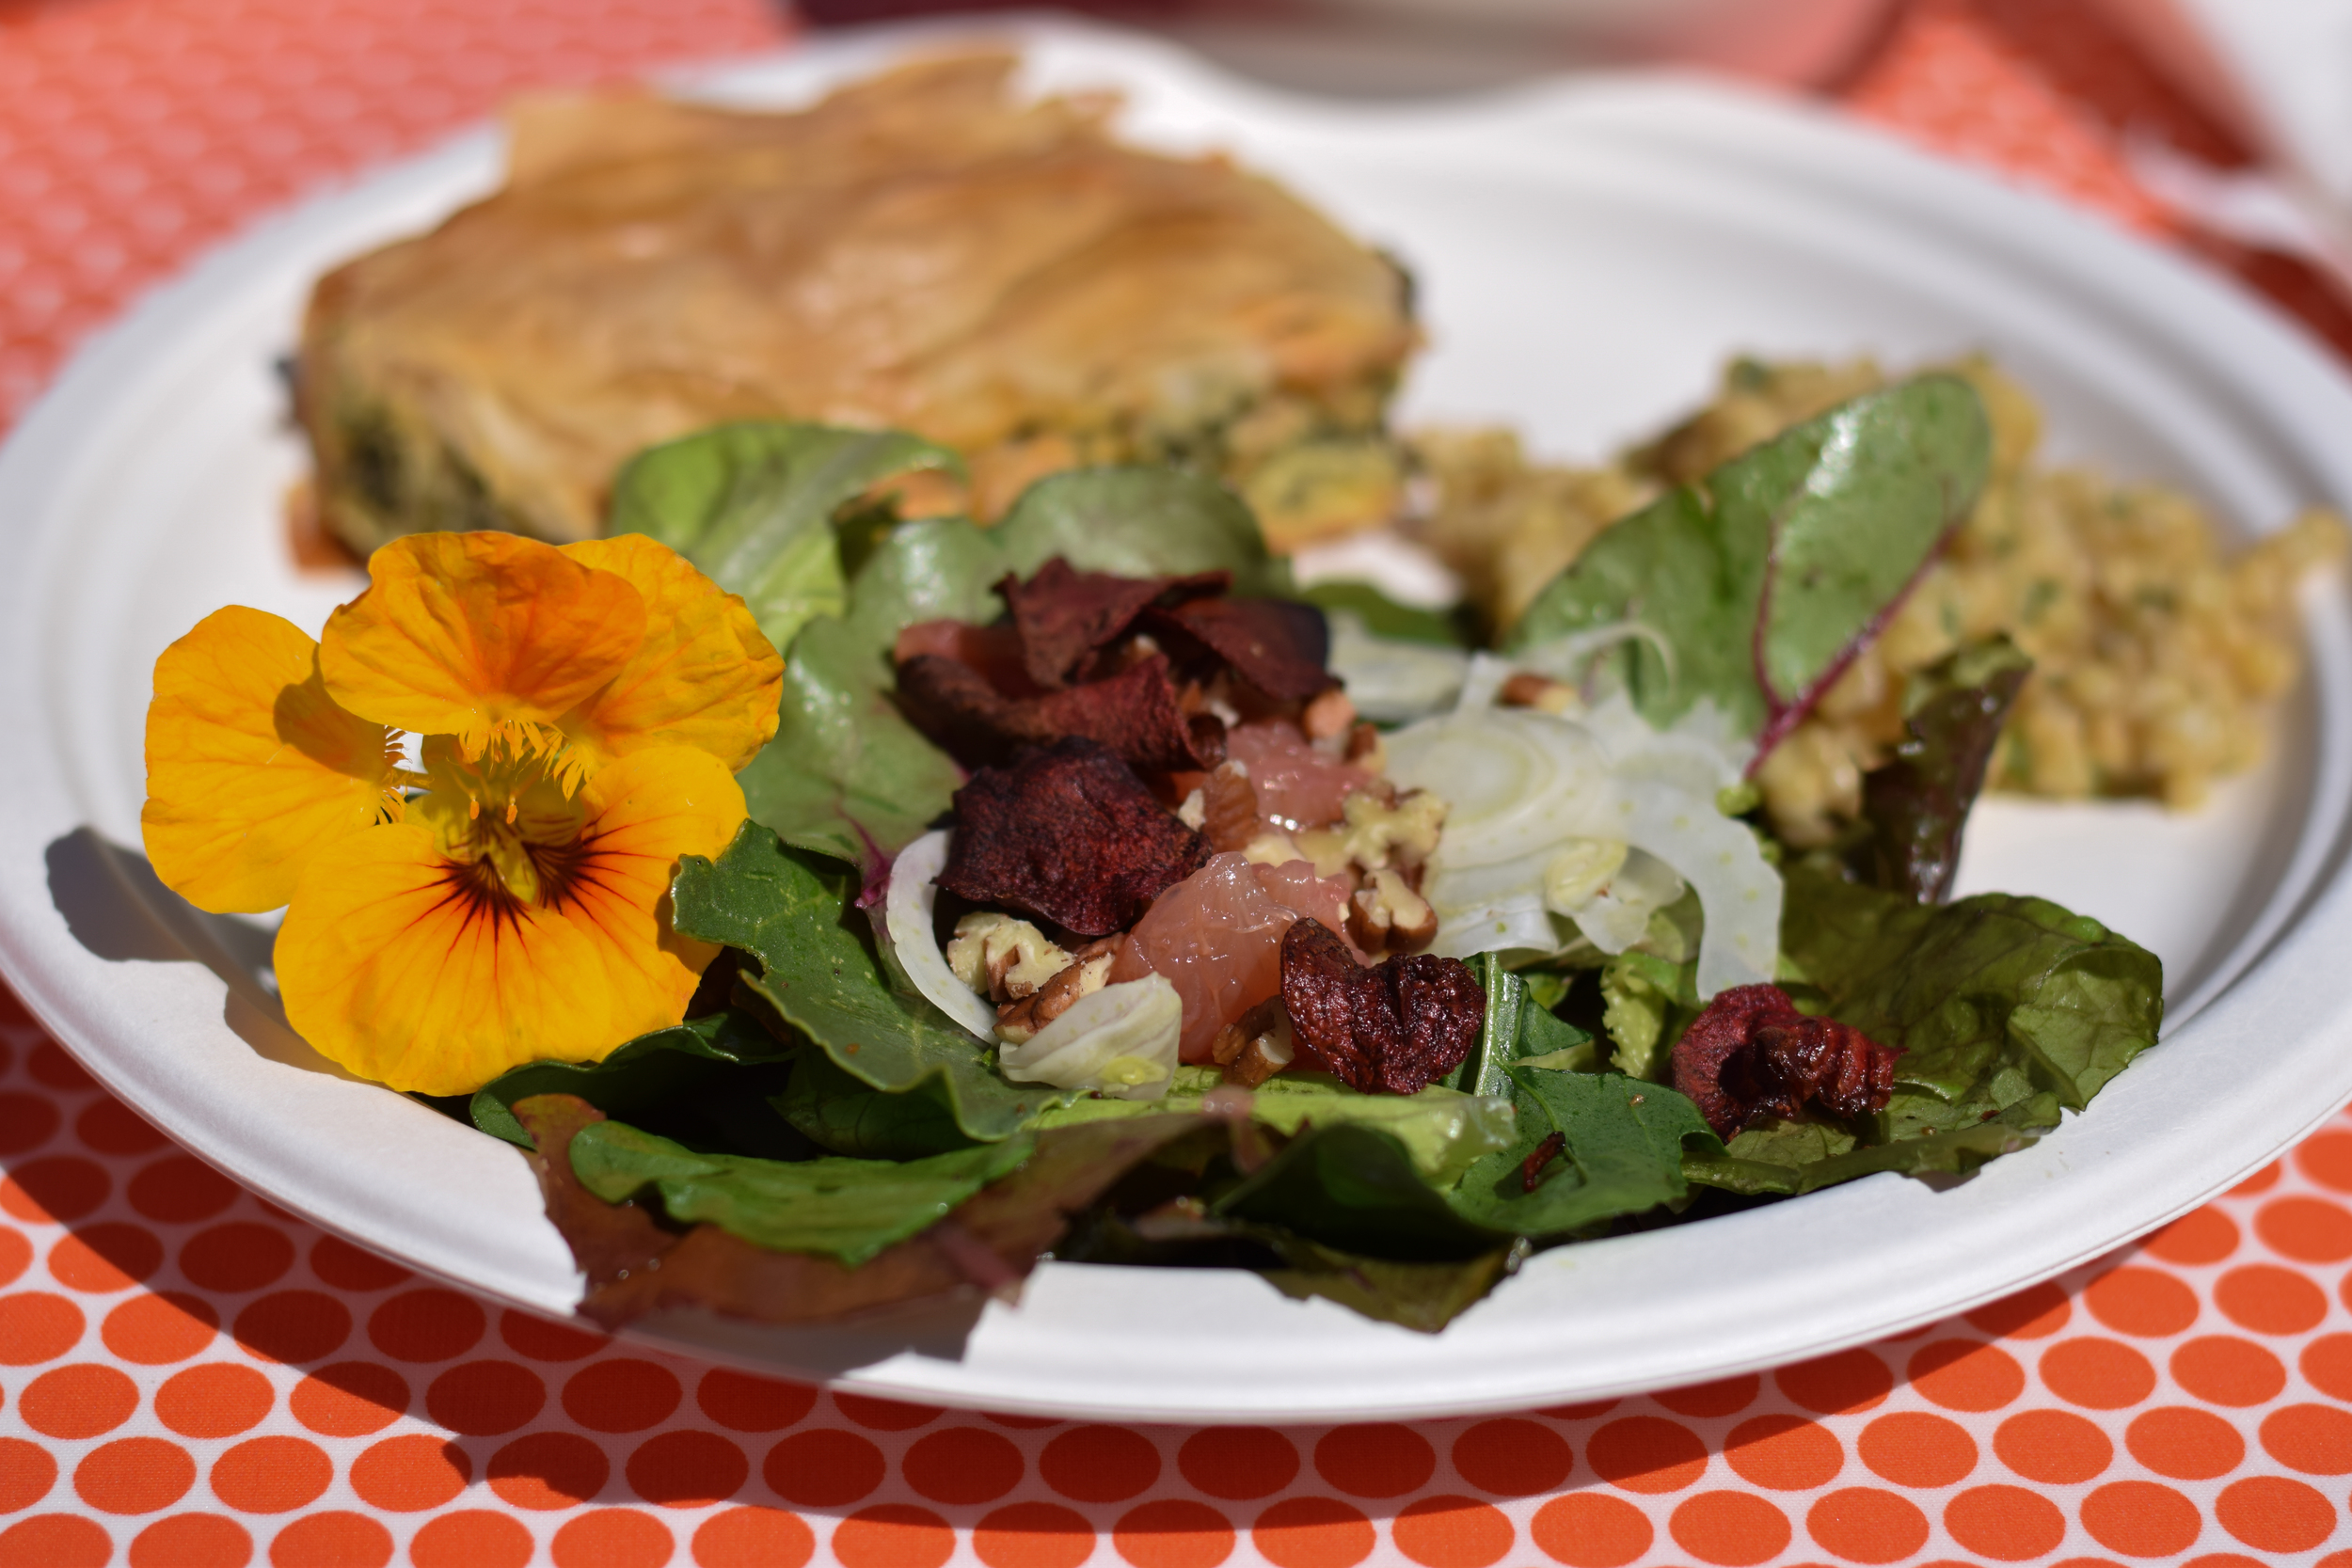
x,y
1621,1154
1515,1028
1423,1297
846,775
1353,1188
1918,803
1992,999
1442,1129
1646,1003
792,910
651,1070
845,1209
1762,580
846,1115
1140,522
1789,1158
1385,618
752,505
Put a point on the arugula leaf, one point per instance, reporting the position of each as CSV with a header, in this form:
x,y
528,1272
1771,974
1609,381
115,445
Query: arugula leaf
x,y
1517,1027
1621,1154
649,1070
751,505
1765,577
792,910
1918,803
844,1208
1990,999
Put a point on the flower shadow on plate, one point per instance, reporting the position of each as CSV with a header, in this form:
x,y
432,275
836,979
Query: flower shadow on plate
x,y
120,911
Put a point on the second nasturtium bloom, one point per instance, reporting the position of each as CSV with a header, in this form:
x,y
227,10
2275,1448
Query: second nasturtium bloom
x,y
581,711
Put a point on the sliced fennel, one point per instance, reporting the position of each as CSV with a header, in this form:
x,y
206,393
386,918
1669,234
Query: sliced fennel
x,y
908,921
1542,802
1389,680
1120,1041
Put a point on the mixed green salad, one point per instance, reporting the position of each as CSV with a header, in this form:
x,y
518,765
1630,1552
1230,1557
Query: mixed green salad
x,y
821,1138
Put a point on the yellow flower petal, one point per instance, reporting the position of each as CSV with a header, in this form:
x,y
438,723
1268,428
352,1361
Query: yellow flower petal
x,y
251,765
466,634
703,675
422,973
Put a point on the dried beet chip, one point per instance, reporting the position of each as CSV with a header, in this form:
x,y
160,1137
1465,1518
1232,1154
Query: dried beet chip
x,y
1134,712
1544,1153
1068,834
1064,615
1275,645
1751,1056
992,652
1392,1029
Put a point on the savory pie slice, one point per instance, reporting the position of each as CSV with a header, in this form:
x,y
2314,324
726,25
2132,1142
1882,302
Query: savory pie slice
x,y
922,250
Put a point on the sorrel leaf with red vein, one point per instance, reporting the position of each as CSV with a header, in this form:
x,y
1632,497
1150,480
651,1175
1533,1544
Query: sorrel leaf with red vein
x,y
1918,803
1764,580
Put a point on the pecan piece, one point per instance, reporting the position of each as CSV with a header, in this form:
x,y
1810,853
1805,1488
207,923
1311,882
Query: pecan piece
x,y
1394,1028
1751,1056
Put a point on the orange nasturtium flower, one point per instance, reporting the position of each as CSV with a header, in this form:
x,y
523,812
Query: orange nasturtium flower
x,y
582,712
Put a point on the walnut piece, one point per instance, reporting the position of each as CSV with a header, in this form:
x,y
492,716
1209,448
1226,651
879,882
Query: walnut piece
x,y
1087,971
1525,688
1386,914
1002,957
1255,1046
1373,833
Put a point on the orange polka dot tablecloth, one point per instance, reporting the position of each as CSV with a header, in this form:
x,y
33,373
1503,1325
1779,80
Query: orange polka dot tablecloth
x,y
190,1378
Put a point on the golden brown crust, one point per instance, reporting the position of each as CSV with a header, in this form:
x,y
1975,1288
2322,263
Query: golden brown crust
x,y
920,250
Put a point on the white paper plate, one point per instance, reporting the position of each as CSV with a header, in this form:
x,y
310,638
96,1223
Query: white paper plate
x,y
1588,253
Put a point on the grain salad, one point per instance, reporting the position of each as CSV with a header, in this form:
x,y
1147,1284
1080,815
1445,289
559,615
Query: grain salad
x,y
2158,647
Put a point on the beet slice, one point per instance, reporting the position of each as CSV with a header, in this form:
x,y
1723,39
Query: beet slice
x,y
1134,712
1065,615
1393,1029
1070,835
1275,645
1751,1056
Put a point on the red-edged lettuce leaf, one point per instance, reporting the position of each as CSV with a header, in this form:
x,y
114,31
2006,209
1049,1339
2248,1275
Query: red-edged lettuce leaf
x,y
1762,581
1918,803
987,1244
